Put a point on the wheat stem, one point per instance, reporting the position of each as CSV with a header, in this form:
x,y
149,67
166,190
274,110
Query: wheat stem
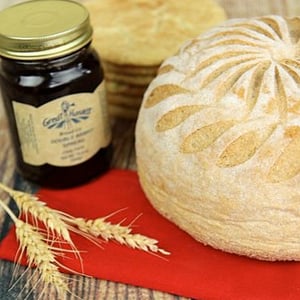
x,y
5,188
9,211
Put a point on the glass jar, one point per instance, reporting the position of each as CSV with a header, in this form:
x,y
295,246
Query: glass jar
x,y
53,90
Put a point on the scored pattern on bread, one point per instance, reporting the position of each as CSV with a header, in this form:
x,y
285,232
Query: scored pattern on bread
x,y
256,62
205,136
288,164
176,116
162,92
249,142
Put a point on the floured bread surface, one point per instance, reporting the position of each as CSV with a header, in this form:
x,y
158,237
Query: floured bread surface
x,y
218,138
145,32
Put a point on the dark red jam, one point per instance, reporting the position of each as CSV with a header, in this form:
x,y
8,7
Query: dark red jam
x,y
38,82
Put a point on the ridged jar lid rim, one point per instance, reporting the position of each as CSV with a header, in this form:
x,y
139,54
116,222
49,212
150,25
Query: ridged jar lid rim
x,y
43,29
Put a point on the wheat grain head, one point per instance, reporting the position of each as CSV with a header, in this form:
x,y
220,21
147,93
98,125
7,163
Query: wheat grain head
x,y
123,234
40,255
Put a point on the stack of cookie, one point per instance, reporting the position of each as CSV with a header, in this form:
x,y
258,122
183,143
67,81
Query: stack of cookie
x,y
125,86
133,37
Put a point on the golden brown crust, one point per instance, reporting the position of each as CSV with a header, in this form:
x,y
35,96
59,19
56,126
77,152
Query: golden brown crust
x,y
217,138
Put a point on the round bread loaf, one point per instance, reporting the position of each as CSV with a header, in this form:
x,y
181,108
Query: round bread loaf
x,y
218,138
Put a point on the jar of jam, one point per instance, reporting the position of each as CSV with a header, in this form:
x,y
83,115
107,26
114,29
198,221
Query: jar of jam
x,y
53,91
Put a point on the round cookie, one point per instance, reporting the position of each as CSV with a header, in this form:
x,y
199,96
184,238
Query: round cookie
x,y
218,138
143,32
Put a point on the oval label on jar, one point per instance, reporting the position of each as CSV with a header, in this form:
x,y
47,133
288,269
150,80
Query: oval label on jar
x,y
64,132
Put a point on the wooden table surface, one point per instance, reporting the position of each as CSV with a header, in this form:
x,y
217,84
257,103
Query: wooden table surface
x,y
124,157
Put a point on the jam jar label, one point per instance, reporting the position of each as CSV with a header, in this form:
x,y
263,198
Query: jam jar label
x,y
64,132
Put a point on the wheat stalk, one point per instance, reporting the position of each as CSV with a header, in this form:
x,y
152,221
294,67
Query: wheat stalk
x,y
122,234
39,246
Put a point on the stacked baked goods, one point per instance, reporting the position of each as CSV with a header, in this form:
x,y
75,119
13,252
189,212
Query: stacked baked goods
x,y
133,37
218,138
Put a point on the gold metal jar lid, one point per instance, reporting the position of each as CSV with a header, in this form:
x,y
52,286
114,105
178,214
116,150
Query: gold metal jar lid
x,y
43,29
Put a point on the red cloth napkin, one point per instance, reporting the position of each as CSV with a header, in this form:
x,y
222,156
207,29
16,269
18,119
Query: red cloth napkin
x,y
192,270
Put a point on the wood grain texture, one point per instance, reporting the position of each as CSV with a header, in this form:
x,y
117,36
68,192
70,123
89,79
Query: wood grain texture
x,y
124,157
